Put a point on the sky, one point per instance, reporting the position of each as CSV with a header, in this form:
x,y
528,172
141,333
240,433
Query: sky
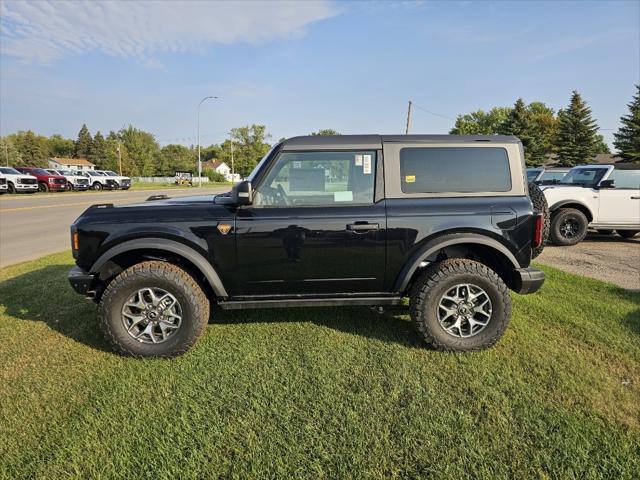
x,y
302,66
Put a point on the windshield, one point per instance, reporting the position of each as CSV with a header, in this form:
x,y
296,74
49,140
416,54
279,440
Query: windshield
x,y
9,170
551,175
111,174
532,173
257,168
39,171
93,173
65,172
586,177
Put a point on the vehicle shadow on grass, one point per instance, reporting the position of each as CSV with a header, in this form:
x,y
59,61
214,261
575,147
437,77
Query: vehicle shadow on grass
x,y
392,326
45,295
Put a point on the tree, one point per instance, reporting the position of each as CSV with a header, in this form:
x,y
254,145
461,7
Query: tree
x,y
174,158
97,152
544,126
480,122
627,138
519,124
249,147
83,143
9,154
577,140
142,151
61,147
325,132
33,149
601,145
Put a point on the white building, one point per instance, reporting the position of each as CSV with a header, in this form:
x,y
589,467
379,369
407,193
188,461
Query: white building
x,y
222,168
71,164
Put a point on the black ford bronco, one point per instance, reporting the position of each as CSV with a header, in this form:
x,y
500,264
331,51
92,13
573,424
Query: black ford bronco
x,y
447,221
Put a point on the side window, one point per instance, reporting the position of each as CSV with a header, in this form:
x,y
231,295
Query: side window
x,y
319,179
626,178
454,169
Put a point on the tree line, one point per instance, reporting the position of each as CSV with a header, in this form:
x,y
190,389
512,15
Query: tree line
x,y
571,134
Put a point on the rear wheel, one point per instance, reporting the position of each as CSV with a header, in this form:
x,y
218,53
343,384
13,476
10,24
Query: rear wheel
x,y
460,305
153,309
540,204
627,233
43,187
568,227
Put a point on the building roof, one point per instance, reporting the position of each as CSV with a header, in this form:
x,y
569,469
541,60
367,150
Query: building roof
x,y
73,161
601,158
213,164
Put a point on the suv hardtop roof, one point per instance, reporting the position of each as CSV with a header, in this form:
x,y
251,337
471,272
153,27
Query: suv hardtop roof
x,y
619,166
374,142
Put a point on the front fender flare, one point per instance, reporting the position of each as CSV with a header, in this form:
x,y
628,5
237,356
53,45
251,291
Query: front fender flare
x,y
172,246
404,277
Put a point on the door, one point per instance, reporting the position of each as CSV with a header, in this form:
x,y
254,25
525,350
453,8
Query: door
x,y
313,228
620,205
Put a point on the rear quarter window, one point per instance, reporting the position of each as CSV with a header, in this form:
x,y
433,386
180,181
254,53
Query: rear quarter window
x,y
454,169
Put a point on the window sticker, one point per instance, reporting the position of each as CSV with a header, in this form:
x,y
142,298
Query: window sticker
x,y
358,160
343,196
297,164
366,164
410,178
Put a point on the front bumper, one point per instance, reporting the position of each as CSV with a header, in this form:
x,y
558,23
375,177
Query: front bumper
x,y
81,186
80,280
25,187
528,280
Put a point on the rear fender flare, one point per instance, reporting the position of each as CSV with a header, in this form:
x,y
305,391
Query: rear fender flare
x,y
431,247
196,258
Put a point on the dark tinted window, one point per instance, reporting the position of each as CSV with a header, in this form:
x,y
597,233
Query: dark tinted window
x,y
626,178
553,175
454,169
532,173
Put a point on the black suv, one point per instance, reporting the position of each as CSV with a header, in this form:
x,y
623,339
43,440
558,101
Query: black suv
x,y
335,220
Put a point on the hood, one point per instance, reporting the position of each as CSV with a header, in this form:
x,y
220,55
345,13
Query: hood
x,y
161,201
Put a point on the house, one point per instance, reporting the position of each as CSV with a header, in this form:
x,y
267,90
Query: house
x,y
71,164
220,167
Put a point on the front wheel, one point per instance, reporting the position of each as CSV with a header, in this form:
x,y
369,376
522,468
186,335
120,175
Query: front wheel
x,y
97,186
70,186
460,305
568,227
12,187
43,187
628,233
153,309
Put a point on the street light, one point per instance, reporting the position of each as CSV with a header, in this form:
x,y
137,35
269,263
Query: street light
x,y
199,161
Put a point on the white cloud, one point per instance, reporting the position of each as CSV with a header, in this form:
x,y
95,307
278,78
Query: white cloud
x,y
42,31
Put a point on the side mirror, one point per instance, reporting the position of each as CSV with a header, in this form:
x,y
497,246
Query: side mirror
x,y
608,184
243,193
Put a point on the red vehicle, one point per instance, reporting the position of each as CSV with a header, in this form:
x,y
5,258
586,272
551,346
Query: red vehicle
x,y
46,181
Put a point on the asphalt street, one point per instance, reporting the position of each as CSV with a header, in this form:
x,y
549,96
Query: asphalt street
x,y
33,225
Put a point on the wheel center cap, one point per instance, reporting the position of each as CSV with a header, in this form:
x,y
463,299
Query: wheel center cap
x,y
152,314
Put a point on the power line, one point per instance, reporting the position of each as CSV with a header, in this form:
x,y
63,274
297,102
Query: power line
x,y
433,113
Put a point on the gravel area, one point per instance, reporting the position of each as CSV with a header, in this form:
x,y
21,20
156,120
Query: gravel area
x,y
605,257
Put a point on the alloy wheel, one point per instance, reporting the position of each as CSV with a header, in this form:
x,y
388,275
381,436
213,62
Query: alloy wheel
x,y
464,310
152,315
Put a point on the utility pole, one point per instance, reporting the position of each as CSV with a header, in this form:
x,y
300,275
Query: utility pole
x,y
6,153
408,118
119,159
199,161
233,178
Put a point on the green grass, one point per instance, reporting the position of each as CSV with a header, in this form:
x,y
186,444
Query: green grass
x,y
321,393
151,186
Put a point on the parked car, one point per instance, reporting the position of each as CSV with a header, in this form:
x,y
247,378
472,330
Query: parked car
x,y
4,188
18,182
74,180
123,182
46,181
445,220
546,176
604,197
99,180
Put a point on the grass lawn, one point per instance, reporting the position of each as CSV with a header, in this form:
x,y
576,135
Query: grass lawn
x,y
321,393
151,186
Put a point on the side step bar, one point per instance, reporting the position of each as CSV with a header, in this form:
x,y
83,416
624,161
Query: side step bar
x,y
309,302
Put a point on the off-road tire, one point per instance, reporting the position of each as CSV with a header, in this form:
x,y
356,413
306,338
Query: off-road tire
x,y
96,186
627,233
605,232
43,187
435,281
540,204
559,218
194,303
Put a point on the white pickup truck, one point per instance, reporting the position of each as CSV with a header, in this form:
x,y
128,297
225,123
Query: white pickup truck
x,y
604,197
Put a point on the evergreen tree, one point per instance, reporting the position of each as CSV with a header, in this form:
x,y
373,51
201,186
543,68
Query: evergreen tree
x,y
97,152
627,139
83,144
577,140
519,124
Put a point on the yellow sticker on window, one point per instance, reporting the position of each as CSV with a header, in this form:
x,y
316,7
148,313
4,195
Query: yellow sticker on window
x,y
410,178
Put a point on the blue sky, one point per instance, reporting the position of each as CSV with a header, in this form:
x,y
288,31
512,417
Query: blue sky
x,y
298,67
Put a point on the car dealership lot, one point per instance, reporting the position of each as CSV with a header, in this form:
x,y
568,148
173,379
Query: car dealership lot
x,y
35,225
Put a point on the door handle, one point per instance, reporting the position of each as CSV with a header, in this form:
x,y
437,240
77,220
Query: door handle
x,y
362,227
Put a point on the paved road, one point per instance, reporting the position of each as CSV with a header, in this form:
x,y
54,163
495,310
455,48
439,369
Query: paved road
x,y
38,224
605,257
